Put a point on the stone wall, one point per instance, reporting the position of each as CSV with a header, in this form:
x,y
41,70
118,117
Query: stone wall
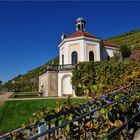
x,y
48,84
52,83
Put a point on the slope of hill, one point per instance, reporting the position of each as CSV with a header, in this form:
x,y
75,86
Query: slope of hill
x,y
131,39
29,81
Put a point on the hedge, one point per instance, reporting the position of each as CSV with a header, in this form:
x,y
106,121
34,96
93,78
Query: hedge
x,y
96,78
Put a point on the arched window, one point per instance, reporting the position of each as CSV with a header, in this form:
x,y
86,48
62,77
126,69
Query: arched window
x,y
78,26
74,58
62,59
91,56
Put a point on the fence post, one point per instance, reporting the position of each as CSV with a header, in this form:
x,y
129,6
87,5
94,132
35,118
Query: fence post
x,y
126,120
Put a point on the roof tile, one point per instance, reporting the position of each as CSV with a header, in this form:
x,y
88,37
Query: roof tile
x,y
107,43
81,33
87,34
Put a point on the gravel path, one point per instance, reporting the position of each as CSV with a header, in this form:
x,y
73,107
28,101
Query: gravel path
x,y
4,97
137,135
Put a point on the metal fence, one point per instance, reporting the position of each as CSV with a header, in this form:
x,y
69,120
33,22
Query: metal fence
x,y
56,132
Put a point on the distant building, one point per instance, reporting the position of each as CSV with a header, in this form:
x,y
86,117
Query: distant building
x,y
13,81
77,47
135,55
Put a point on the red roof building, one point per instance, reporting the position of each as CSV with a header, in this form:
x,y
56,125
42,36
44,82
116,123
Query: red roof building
x,y
80,33
80,46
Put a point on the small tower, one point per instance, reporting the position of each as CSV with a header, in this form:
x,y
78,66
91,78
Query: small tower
x,y
80,24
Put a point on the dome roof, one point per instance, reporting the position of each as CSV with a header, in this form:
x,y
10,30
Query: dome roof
x,y
80,19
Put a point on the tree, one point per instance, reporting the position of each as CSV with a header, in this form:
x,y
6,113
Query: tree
x,y
0,83
125,51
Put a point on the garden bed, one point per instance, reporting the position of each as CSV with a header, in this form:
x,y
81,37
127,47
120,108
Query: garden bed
x,y
24,95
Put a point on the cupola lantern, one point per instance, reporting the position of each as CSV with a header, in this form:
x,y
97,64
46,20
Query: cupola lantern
x,y
80,24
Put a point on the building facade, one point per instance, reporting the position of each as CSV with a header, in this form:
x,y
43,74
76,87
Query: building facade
x,y
78,47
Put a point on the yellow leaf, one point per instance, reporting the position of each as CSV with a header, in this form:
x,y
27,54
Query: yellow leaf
x,y
75,123
106,122
23,125
122,107
118,123
111,124
110,108
89,124
59,109
96,126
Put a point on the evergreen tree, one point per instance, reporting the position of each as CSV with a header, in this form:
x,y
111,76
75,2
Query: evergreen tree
x,y
125,51
0,83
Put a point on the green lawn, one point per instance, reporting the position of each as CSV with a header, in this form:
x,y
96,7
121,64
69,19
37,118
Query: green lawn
x,y
14,113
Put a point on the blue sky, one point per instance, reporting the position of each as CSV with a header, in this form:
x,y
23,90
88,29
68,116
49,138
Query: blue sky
x,y
30,31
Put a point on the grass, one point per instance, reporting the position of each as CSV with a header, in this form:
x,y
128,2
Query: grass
x,y
14,113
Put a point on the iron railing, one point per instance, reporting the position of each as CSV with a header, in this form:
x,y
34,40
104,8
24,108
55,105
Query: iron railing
x,y
60,67
88,113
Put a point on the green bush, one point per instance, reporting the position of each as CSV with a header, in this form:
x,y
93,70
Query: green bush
x,y
105,76
125,51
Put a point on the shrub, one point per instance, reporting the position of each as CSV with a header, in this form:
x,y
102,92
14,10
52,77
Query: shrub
x,y
125,51
104,76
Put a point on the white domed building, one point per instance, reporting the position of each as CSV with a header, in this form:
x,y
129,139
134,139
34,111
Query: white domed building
x,y
77,47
